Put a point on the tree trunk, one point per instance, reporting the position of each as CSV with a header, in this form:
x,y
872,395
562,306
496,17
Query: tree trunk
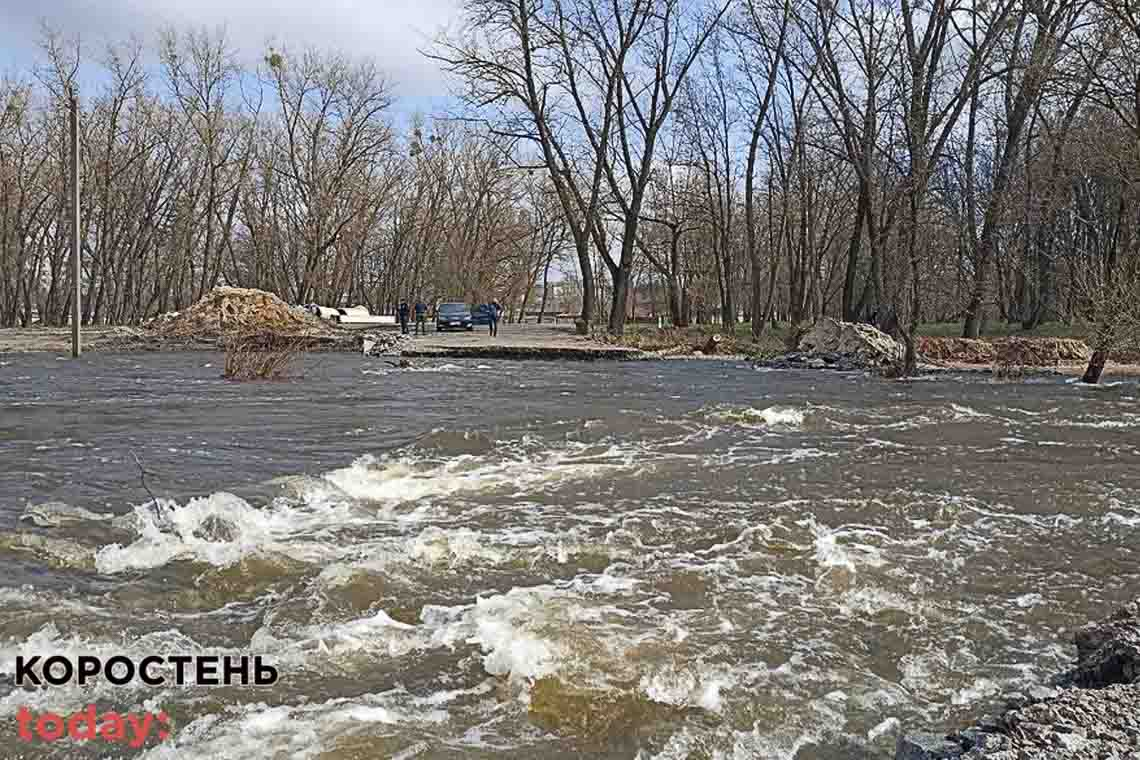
x,y
850,308
1095,368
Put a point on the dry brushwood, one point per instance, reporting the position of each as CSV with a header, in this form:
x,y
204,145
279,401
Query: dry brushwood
x,y
261,356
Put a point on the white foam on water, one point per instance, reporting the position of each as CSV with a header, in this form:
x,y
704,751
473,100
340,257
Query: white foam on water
x,y
407,478
299,732
461,546
529,633
1026,601
219,529
871,601
687,686
48,601
772,416
1128,521
49,641
437,368
835,551
963,412
799,455
376,635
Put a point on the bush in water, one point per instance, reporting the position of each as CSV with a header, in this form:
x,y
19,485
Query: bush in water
x,y
260,356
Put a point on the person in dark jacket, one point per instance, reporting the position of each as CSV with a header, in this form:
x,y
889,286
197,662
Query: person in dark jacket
x,y
403,312
496,314
421,318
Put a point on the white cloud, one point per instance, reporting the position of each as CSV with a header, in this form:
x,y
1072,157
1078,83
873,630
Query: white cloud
x,y
391,31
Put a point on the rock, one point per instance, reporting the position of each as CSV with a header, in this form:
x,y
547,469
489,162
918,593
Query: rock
x,y
927,747
217,530
52,514
861,342
1094,716
1108,652
54,552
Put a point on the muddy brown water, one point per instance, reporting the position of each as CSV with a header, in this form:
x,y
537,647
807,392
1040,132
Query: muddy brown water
x,y
554,560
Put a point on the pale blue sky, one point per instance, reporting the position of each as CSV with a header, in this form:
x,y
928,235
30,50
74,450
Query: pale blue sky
x,y
391,31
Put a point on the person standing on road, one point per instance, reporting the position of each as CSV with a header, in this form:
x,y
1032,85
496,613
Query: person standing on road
x,y
403,312
496,313
421,318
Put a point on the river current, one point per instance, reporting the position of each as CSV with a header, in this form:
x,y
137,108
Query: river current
x,y
643,560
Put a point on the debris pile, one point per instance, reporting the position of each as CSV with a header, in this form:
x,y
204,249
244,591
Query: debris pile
x,y
1007,352
376,343
1092,711
843,346
965,350
1040,352
228,311
863,343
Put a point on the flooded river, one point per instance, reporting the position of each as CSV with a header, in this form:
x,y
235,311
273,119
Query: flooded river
x,y
552,560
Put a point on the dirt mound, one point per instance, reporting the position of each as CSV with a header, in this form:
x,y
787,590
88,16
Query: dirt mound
x,y
1040,352
956,350
1009,352
226,311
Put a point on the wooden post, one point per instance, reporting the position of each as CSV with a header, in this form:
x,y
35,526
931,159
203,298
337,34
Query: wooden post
x,y
73,191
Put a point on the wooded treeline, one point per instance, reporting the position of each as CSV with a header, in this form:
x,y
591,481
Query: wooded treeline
x,y
291,177
937,160
764,160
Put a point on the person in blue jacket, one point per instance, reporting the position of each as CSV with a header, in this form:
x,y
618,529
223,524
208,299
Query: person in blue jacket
x,y
421,318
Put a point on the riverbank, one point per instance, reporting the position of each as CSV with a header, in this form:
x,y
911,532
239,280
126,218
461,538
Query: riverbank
x,y
526,341
1002,357
1090,711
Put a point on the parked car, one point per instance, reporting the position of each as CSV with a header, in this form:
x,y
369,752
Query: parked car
x,y
453,316
481,314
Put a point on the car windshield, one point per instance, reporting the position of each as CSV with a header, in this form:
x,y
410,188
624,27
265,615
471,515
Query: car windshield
x,y
452,308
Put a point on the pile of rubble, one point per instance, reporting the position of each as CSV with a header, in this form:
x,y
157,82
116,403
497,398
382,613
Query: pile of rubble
x,y
229,311
1092,711
375,343
843,346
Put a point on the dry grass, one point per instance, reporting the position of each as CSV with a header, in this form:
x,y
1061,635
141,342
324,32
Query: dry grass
x,y
261,356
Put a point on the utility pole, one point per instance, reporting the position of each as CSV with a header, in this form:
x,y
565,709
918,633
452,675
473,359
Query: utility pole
x,y
76,311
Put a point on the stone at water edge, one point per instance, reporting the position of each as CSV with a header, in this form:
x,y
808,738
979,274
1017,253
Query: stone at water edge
x,y
927,747
1099,722
1108,651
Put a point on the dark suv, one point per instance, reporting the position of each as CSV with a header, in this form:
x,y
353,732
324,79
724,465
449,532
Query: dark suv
x,y
481,314
453,316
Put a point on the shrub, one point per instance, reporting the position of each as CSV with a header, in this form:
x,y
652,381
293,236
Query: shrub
x,y
260,356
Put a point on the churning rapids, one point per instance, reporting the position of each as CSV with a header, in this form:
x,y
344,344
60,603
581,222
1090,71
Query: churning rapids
x,y
550,560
